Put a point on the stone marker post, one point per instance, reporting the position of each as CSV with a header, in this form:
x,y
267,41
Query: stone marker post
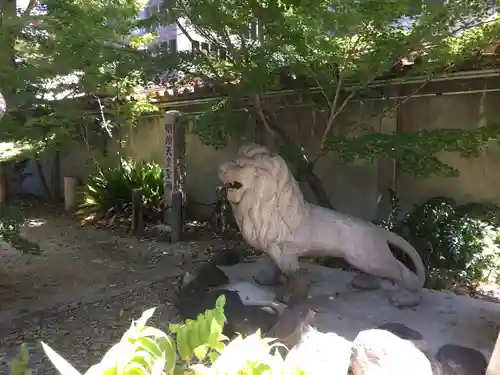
x,y
174,173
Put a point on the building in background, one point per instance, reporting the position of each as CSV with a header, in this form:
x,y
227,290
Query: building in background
x,y
170,37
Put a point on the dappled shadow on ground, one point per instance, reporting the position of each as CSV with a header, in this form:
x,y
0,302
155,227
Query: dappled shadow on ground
x,y
82,292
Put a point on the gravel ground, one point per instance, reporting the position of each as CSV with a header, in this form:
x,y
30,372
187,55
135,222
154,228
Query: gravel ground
x,y
81,295
83,334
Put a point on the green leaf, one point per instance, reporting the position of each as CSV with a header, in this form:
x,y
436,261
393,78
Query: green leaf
x,y
20,364
201,351
185,352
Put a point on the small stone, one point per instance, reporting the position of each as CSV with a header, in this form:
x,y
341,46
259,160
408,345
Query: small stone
x,y
459,360
376,352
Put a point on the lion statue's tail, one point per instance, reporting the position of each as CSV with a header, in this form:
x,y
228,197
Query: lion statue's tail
x,y
407,248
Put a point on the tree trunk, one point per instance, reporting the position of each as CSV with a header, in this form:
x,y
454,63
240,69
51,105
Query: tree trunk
x,y
43,180
312,180
318,190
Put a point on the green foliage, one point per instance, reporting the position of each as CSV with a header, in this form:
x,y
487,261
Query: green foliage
x,y
457,243
111,188
196,346
339,48
11,221
63,49
20,364
416,151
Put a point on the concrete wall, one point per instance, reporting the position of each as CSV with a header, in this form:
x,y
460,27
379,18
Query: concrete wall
x,y
353,188
479,178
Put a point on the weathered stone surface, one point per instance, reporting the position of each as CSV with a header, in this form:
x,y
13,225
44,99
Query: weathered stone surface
x,y
292,325
458,360
321,353
380,352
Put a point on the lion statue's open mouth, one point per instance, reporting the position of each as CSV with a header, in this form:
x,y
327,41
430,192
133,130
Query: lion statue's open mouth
x,y
239,175
234,185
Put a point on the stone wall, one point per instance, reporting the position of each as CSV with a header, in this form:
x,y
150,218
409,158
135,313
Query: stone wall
x,y
356,188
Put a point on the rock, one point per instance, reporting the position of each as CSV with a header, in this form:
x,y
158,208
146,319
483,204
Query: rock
x,y
228,257
199,293
321,353
161,231
380,352
459,360
292,325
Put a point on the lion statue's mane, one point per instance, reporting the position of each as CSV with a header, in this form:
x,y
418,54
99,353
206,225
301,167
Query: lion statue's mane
x,y
272,208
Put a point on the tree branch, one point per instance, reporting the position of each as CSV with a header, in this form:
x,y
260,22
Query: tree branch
x,y
29,8
334,112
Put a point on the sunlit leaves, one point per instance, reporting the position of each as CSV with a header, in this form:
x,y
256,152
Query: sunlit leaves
x,y
198,344
335,43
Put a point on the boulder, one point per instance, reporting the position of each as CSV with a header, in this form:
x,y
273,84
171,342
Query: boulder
x,y
380,352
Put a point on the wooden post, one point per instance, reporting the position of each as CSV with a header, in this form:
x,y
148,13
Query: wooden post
x,y
494,364
69,193
174,173
137,216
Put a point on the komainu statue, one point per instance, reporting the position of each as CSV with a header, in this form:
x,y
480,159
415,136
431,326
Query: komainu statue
x,y
274,218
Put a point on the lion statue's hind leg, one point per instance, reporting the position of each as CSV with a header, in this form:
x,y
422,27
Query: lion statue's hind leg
x,y
379,262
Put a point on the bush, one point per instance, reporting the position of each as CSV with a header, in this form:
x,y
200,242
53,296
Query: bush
x,y
196,346
110,189
457,243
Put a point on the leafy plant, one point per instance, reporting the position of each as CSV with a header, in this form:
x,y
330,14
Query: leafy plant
x,y
194,346
20,364
457,243
307,71
110,188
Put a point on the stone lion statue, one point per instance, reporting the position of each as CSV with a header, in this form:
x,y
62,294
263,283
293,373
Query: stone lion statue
x,y
274,217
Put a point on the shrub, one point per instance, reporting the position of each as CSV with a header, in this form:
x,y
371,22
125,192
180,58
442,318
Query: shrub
x,y
457,243
196,346
110,189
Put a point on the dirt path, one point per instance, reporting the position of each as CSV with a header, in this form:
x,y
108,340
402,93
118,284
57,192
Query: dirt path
x,y
82,293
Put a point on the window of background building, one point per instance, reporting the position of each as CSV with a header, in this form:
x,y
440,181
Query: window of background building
x,y
172,45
